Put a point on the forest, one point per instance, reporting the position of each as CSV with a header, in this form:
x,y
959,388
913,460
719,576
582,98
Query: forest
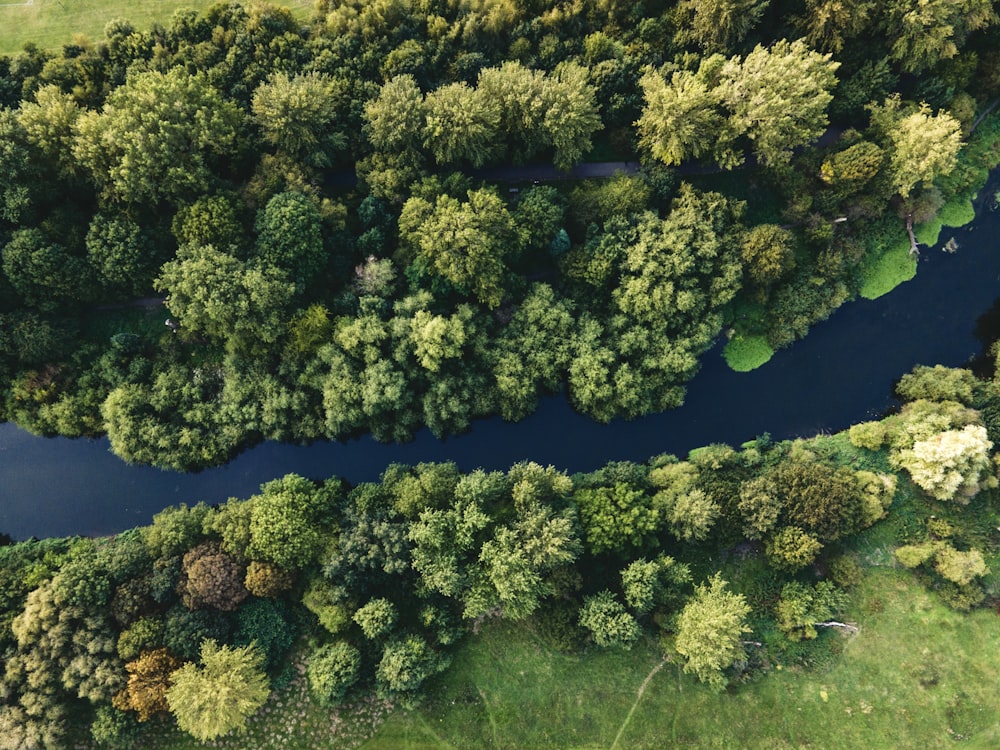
x,y
313,206
731,560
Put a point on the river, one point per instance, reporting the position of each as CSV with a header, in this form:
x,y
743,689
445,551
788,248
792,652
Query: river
x,y
840,374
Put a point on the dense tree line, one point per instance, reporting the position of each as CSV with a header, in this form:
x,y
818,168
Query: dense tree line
x,y
201,160
729,558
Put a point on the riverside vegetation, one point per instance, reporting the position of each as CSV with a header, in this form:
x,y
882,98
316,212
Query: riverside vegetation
x,y
350,602
202,161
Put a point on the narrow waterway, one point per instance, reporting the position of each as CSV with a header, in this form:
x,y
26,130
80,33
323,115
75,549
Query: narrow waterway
x,y
840,374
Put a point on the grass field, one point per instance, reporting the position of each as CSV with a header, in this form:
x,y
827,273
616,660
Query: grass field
x,y
917,676
53,23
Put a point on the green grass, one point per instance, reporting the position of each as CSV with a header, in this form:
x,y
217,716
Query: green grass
x,y
53,23
956,213
883,274
917,675
745,353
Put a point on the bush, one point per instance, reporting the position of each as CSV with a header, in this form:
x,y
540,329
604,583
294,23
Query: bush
x,y
609,623
868,435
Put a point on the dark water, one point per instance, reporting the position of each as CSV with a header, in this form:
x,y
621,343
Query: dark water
x,y
840,374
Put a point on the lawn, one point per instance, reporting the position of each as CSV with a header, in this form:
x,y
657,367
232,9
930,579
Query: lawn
x,y
53,23
917,675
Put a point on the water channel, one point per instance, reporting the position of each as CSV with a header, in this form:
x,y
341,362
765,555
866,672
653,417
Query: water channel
x,y
840,374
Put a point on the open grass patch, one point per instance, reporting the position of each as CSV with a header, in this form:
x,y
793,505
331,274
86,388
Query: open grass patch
x,y
917,675
882,274
49,24
745,353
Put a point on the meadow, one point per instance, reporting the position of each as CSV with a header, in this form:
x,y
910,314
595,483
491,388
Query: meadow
x,y
50,24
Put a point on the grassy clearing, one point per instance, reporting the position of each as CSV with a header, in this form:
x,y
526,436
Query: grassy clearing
x,y
53,23
917,675
745,353
890,269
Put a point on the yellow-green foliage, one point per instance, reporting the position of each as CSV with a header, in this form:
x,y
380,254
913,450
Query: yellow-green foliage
x,y
950,465
883,274
877,493
745,353
870,435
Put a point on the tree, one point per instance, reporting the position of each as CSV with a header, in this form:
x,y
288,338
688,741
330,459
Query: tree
x,y
717,25
925,33
951,465
688,510
609,623
148,681
332,670
214,293
287,521
44,272
405,664
219,696
791,548
778,97
802,608
710,630
922,146
211,578
828,24
465,242
618,519
157,137
768,253
123,255
289,237
297,115
571,116
681,119
461,124
395,117
49,123
649,583
376,618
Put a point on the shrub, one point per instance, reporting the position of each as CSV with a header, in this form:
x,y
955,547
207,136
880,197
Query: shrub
x,y
332,670
609,623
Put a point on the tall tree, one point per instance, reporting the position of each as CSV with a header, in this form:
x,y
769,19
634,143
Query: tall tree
x,y
158,137
219,696
710,631
297,115
778,97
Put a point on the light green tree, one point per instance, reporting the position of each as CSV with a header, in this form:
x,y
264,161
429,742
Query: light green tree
x,y
297,115
219,696
951,465
710,631
778,97
681,119
922,146
461,123
717,25
156,137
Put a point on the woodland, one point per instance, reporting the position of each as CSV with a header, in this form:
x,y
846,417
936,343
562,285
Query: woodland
x,y
312,205
786,151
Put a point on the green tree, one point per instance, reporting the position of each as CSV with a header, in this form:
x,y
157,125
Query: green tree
x,y
710,631
717,25
768,253
297,115
461,124
214,293
157,137
922,146
619,518
395,117
376,618
829,24
287,521
465,242
610,625
925,33
681,119
219,696
649,583
49,124
332,670
778,97
801,608
289,237
405,664
44,272
123,255
791,548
